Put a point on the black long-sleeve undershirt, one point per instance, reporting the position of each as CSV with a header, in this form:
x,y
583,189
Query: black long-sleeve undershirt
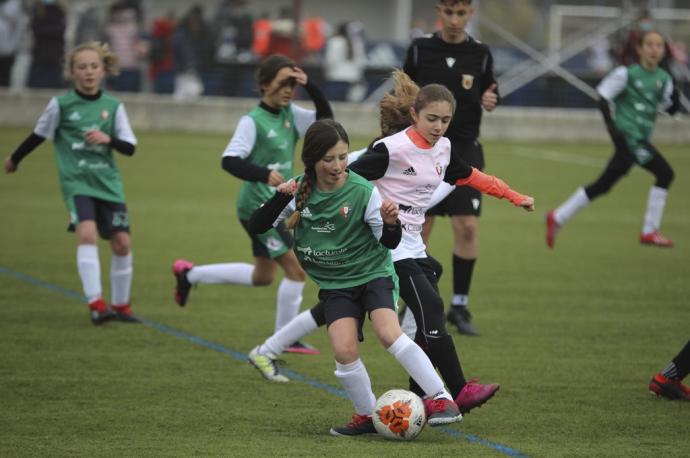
x,y
373,165
33,141
263,218
247,171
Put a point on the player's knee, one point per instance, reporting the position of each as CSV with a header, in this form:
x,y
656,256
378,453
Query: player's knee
x,y
121,243
345,352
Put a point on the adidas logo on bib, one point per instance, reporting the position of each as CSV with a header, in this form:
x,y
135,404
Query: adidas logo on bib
x,y
271,134
75,116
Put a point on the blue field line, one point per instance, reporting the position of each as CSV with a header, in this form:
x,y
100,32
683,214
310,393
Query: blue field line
x,y
504,449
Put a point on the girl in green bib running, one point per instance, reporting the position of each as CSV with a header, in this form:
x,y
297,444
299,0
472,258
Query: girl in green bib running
x,y
86,124
636,93
343,233
261,153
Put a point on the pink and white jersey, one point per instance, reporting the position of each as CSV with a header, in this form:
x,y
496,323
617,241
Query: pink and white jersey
x,y
412,176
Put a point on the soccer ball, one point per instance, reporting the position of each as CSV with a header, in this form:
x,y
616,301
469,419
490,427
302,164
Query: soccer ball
x,y
399,415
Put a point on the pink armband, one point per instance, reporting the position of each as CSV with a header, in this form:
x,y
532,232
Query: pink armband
x,y
494,186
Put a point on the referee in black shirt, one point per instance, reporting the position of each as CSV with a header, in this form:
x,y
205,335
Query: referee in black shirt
x,y
465,66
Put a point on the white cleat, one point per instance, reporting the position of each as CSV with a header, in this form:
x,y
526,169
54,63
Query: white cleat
x,y
266,364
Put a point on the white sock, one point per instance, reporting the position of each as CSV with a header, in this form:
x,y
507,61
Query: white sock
x,y
89,268
288,301
570,207
120,279
234,273
409,325
357,385
656,201
417,364
300,326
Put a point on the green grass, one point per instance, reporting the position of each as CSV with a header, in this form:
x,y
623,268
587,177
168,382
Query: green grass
x,y
573,335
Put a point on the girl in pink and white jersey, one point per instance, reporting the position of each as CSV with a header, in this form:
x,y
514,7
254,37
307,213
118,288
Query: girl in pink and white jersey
x,y
407,167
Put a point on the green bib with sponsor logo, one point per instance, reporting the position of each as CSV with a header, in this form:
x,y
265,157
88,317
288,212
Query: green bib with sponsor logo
x,y
84,169
333,242
274,148
637,105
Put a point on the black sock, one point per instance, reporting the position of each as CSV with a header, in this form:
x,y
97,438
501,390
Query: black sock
x,y
462,278
682,362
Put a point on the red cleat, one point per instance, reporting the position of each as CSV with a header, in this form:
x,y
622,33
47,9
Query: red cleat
x,y
655,238
124,313
551,229
669,388
360,424
99,312
474,394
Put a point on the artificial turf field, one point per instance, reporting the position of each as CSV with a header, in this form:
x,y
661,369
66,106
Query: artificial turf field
x,y
573,335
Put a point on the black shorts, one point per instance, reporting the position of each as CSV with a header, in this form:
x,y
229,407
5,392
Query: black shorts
x,y
110,217
357,301
464,200
273,243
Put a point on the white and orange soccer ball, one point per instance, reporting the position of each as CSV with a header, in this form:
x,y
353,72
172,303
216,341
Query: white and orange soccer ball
x,y
399,415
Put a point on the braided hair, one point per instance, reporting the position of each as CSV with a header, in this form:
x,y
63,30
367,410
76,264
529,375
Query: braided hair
x,y
320,137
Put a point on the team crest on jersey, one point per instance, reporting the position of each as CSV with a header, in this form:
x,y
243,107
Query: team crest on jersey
x,y
467,81
439,169
104,115
345,210
287,124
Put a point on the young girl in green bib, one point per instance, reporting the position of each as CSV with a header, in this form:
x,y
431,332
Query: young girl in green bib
x,y
635,93
86,124
343,233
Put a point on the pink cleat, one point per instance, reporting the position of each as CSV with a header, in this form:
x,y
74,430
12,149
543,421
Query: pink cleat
x,y
551,229
474,394
183,286
656,239
441,412
302,349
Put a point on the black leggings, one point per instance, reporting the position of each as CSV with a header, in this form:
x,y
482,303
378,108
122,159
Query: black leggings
x,y
419,290
619,165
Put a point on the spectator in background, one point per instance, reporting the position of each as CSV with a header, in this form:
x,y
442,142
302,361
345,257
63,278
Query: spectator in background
x,y
344,63
124,35
192,53
283,34
262,35
13,23
233,31
48,30
161,71
314,32
89,25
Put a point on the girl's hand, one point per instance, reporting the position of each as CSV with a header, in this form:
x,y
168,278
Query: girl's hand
x,y
96,137
275,178
528,204
489,98
289,187
389,212
299,76
10,167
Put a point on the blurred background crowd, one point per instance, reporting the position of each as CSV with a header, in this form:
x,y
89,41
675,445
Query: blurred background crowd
x,y
212,47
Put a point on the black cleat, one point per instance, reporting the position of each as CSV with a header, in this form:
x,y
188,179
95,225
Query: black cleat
x,y
462,319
